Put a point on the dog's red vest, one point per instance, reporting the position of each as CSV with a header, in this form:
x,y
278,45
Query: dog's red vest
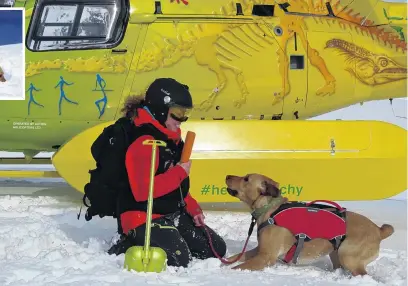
x,y
309,221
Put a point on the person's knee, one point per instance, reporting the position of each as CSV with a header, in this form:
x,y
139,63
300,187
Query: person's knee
x,y
179,258
219,246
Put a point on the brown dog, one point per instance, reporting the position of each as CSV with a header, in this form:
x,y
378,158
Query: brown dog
x,y
359,248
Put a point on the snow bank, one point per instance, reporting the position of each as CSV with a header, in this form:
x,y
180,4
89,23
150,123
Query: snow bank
x,y
43,243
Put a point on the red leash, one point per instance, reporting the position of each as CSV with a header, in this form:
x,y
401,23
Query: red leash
x,y
251,228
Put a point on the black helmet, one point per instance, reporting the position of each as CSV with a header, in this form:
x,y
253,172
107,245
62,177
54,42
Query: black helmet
x,y
166,94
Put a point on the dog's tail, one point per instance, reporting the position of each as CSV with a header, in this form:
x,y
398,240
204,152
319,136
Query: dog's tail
x,y
386,230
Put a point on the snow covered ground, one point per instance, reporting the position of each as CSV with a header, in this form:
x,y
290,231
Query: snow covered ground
x,y
12,63
43,243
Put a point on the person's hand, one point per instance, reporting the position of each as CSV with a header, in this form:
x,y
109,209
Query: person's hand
x,y
186,166
199,220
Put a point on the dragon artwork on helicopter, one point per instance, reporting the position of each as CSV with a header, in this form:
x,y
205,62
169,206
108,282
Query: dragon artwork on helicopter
x,y
207,45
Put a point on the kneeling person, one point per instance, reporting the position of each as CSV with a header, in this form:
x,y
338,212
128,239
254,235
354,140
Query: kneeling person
x,y
176,217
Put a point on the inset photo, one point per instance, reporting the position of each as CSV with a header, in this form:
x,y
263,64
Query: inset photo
x,y
12,54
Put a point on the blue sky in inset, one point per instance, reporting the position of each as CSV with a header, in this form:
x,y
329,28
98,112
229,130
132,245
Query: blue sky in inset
x,y
11,25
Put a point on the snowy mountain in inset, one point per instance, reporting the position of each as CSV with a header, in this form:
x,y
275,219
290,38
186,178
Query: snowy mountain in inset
x,y
12,64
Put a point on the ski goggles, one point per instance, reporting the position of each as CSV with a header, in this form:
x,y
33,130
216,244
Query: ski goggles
x,y
179,113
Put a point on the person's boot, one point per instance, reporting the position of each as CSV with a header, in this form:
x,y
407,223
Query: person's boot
x,y
120,246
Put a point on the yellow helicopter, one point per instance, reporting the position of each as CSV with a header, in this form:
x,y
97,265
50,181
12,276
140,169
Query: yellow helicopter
x,y
256,69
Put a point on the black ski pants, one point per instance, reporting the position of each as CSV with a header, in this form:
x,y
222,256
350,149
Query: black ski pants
x,y
178,236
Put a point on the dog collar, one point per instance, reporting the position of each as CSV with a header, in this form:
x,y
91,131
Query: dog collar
x,y
258,212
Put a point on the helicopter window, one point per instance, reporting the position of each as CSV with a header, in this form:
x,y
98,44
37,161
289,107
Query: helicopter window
x,y
76,24
297,62
263,10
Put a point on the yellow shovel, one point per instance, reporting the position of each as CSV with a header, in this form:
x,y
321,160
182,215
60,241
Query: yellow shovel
x,y
147,259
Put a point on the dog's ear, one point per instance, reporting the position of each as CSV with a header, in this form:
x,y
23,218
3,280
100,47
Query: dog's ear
x,y
271,189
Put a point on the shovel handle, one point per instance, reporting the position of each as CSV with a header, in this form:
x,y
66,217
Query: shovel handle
x,y
188,147
154,144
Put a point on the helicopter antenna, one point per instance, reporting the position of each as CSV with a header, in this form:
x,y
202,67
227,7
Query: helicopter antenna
x,y
392,107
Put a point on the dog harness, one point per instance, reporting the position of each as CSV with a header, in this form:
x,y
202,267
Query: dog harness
x,y
308,221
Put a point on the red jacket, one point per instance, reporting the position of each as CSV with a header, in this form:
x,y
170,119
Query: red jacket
x,y
138,157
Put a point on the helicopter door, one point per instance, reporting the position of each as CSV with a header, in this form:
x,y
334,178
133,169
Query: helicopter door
x,y
290,68
296,87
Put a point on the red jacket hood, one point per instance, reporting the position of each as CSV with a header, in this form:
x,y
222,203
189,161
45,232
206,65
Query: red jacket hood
x,y
144,117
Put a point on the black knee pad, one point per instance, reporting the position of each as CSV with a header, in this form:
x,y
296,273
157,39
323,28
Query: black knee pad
x,y
179,259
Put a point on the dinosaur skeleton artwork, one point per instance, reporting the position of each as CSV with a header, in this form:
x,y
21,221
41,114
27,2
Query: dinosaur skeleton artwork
x,y
209,43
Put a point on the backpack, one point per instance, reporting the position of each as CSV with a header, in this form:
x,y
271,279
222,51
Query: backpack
x,y
110,175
